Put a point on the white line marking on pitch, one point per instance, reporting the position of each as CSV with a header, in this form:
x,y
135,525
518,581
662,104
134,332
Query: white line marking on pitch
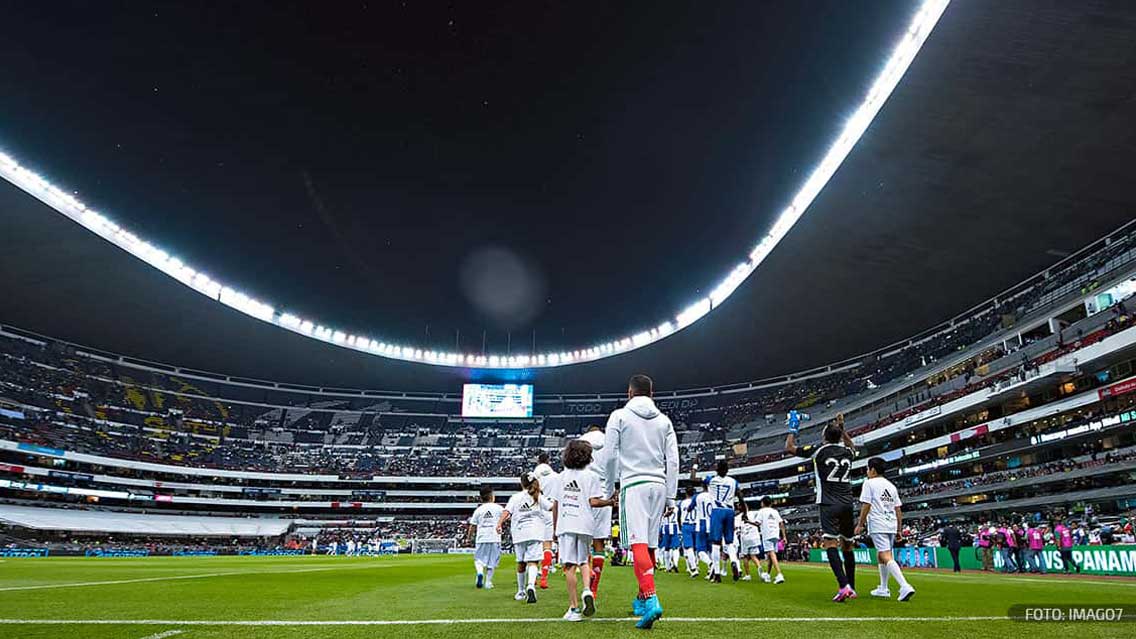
x,y
163,635
114,582
447,622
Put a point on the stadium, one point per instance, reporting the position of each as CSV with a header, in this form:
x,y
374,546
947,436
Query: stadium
x,y
446,352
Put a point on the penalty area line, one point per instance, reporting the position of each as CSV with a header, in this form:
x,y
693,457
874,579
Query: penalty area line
x,y
454,622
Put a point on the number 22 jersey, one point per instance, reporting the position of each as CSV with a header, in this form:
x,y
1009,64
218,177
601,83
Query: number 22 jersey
x,y
832,465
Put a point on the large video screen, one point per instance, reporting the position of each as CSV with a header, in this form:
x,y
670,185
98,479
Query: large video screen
x,y
497,400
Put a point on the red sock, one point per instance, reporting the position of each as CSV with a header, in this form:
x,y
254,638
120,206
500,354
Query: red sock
x,y
644,569
545,564
597,570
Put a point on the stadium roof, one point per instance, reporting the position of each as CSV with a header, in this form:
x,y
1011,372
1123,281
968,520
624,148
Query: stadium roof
x,y
1004,148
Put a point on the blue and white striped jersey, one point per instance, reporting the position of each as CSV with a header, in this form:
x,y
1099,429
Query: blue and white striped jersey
x,y
704,504
724,490
670,524
686,512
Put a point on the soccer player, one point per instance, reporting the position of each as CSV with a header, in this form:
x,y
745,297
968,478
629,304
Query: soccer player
x,y
666,540
642,453
704,505
880,512
724,490
575,493
525,514
673,540
832,466
687,518
603,530
545,475
483,530
772,532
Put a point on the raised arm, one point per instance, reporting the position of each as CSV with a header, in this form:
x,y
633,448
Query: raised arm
x,y
844,436
791,444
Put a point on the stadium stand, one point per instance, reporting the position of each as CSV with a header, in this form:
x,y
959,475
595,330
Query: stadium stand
x,y
1020,407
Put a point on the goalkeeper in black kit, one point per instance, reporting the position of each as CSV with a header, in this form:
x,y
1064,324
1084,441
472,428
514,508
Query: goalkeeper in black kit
x,y
832,467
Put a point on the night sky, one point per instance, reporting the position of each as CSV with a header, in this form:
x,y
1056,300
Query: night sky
x,y
389,167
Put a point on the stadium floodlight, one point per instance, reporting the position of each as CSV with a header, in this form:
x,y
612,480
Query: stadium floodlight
x,y
901,58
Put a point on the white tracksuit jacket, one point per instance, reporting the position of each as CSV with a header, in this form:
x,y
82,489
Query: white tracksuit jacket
x,y
640,446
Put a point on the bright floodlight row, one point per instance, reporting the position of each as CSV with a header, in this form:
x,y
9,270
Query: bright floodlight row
x,y
901,58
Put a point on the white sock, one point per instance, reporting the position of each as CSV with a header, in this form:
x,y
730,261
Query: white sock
x,y
691,560
897,574
716,556
704,558
533,571
480,567
732,552
520,582
883,577
674,558
489,574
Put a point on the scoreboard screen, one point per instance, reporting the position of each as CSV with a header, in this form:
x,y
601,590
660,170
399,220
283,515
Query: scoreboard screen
x,y
497,400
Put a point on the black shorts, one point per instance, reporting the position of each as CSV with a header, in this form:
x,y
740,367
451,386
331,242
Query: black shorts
x,y
836,521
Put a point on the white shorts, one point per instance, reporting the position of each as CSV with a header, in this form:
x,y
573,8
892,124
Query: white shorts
x,y
602,529
575,549
770,545
641,513
527,551
883,541
751,546
548,534
488,553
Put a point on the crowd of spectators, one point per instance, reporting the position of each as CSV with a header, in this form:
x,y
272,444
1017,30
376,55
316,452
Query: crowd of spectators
x,y
70,543
1017,474
60,422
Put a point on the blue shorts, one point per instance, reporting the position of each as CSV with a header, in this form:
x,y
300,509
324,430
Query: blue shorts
x,y
701,542
688,535
722,526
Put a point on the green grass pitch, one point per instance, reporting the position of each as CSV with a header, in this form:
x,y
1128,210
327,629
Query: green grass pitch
x,y
430,592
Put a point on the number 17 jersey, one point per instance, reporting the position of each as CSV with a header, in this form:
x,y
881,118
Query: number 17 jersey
x,y
832,465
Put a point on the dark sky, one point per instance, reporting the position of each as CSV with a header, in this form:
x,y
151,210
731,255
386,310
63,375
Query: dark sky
x,y
353,162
